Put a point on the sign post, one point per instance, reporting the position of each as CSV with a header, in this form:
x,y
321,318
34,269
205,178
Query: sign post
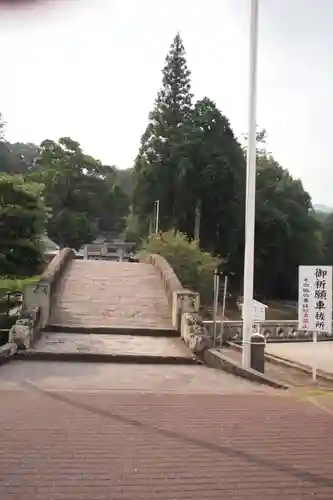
x,y
223,308
216,301
157,220
258,312
315,304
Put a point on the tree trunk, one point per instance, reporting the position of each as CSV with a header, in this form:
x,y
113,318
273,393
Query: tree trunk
x,y
197,220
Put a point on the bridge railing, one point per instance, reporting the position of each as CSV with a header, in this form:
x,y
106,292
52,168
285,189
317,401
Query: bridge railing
x,y
272,330
40,294
185,306
180,300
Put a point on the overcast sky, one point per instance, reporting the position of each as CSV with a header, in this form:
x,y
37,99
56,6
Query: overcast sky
x,y
91,69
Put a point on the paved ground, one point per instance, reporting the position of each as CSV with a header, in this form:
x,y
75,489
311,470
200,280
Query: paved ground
x,y
112,344
96,293
305,352
85,377
291,376
125,445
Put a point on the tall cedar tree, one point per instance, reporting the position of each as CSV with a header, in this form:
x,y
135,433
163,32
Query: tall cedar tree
x,y
214,180
160,157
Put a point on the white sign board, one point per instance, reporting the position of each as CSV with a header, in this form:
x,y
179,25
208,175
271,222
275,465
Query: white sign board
x,y
315,298
258,311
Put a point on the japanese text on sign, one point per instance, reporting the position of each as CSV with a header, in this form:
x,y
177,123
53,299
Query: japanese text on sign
x,y
315,298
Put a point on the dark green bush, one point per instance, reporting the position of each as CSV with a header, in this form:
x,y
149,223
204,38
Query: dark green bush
x,y
193,267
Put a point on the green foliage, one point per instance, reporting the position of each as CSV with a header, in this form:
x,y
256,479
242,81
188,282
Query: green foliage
x,y
22,221
17,158
214,176
193,267
327,239
287,232
190,158
114,211
321,216
124,179
191,161
16,285
134,231
80,192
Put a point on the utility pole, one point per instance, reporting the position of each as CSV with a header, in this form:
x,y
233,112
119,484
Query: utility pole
x,y
157,203
197,221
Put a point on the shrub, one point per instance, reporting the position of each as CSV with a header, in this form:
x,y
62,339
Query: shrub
x,y
193,267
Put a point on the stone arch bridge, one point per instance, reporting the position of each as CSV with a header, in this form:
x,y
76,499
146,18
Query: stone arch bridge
x,y
130,310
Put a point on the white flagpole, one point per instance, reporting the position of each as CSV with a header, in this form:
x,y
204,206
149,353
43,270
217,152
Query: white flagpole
x,y
250,188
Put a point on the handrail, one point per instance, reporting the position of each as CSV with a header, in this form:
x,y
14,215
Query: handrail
x,y
273,330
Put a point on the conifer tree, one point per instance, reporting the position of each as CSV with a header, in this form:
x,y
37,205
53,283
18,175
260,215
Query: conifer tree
x,y
161,156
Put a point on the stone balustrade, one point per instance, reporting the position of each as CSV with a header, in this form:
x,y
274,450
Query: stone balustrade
x,y
185,306
26,330
40,294
180,300
272,330
194,333
116,250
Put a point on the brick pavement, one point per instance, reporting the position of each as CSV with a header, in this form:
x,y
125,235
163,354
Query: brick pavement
x,y
96,293
120,446
134,378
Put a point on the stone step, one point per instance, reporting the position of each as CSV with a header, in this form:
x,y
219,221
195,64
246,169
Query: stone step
x,y
142,359
109,349
111,294
109,330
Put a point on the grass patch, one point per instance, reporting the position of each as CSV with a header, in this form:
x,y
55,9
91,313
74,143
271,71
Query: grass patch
x,y
8,285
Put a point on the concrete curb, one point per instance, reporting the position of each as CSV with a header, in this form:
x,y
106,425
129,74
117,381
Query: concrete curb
x,y
142,332
272,358
278,360
287,340
105,358
215,359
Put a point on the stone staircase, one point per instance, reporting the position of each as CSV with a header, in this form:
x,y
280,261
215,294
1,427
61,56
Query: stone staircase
x,y
105,311
108,297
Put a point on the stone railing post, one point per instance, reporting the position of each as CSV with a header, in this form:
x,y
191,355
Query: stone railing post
x,y
176,311
44,294
183,302
180,300
38,295
104,249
